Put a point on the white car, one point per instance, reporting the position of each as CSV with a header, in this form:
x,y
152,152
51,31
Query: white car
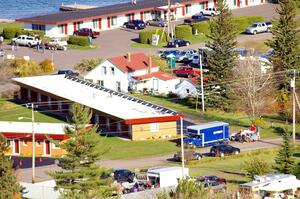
x,y
210,11
24,40
57,44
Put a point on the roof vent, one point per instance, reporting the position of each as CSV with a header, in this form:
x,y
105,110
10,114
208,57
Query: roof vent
x,y
128,57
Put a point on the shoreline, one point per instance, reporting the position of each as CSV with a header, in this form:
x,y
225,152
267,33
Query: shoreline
x,y
7,20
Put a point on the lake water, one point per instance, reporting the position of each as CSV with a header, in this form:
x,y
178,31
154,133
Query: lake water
x,y
14,9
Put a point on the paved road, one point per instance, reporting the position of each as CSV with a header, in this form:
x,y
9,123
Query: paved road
x,y
118,42
24,175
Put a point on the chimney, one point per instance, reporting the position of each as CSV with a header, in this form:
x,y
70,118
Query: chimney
x,y
128,56
150,64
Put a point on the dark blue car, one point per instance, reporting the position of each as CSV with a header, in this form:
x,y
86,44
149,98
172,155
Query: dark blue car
x,y
194,19
134,24
178,42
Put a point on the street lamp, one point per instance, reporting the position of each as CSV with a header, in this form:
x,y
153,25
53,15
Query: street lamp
x,y
33,141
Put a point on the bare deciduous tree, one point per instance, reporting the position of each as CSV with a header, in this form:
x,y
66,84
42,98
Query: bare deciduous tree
x,y
252,86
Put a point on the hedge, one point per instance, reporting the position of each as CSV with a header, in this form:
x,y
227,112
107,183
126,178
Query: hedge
x,y
201,27
11,32
243,22
183,31
145,36
79,40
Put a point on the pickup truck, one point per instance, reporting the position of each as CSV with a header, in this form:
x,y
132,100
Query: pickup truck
x,y
186,71
56,44
259,27
86,32
24,40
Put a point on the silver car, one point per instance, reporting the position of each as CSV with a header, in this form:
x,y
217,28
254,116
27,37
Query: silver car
x,y
157,22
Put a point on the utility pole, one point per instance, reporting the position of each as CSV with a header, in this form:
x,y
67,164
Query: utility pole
x,y
168,16
293,85
33,144
182,148
201,76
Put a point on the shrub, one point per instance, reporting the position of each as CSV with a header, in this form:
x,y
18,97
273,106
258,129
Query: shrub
x,y
87,65
201,27
145,36
79,40
183,31
10,32
241,23
24,68
47,66
255,166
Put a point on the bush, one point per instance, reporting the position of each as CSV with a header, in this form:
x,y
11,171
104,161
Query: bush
x,y
255,166
46,66
145,36
11,32
87,65
183,31
201,27
243,22
25,68
79,40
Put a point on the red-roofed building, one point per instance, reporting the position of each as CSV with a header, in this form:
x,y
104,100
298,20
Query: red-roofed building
x,y
117,73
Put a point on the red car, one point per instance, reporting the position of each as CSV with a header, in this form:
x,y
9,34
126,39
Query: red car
x,y
186,71
86,32
210,178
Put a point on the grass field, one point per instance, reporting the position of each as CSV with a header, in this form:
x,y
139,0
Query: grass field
x,y
76,47
258,45
10,111
125,149
236,120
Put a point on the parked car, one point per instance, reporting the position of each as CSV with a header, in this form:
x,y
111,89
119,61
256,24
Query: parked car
x,y
24,40
224,149
259,27
195,18
212,178
186,71
188,156
86,32
215,186
209,11
184,54
178,42
57,44
157,22
123,175
68,72
167,53
134,24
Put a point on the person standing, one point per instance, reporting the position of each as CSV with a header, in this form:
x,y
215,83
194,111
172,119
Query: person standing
x,y
1,42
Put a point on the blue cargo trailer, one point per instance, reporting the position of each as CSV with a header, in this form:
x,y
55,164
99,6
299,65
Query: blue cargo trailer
x,y
207,134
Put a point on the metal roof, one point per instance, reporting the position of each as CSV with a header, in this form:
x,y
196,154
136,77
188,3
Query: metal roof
x,y
207,125
106,11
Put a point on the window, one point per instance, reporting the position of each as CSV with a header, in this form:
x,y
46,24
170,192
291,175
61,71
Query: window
x,y
41,27
154,127
187,91
201,5
103,72
55,145
61,29
100,82
188,9
118,84
38,143
79,24
114,21
234,2
8,143
25,143
112,71
96,23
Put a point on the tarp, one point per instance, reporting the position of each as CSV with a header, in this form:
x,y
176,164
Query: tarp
x,y
279,186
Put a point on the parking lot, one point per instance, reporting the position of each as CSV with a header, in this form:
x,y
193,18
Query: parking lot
x,y
118,41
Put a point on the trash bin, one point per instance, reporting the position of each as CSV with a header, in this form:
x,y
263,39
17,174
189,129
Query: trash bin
x,y
171,62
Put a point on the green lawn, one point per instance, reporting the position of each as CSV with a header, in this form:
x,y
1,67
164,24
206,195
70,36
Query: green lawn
x,y
14,25
10,111
76,47
125,149
236,120
258,45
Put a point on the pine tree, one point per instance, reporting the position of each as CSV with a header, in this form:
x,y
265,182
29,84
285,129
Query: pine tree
x,y
9,188
284,41
222,56
80,177
284,159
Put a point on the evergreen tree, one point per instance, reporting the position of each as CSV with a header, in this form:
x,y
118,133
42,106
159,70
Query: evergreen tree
x,y
284,159
222,56
9,188
284,41
297,170
80,177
